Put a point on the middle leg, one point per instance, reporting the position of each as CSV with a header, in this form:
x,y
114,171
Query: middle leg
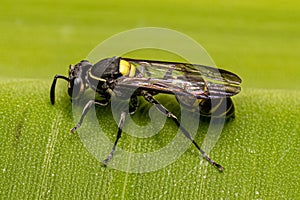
x,y
133,104
120,126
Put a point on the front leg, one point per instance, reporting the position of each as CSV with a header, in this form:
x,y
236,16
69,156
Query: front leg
x,y
86,109
162,109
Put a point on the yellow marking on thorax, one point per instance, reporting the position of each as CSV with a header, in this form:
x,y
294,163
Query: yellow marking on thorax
x,y
95,77
127,69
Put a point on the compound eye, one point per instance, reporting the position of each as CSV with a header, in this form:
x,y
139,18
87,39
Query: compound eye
x,y
76,88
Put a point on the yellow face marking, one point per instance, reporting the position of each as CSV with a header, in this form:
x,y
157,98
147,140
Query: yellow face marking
x,y
124,67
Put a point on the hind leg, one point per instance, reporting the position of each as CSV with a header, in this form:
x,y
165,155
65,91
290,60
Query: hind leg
x,y
163,110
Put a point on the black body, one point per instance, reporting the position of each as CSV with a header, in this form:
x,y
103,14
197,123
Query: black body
x,y
194,85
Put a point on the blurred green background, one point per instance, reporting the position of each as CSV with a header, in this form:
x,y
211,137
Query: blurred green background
x,y
258,40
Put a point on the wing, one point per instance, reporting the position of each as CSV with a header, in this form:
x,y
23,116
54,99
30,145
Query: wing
x,y
178,87
182,79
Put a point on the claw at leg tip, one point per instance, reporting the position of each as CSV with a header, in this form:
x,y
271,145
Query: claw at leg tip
x,y
73,130
221,168
104,164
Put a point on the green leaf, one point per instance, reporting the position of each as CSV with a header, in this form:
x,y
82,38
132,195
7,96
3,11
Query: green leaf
x,y
40,159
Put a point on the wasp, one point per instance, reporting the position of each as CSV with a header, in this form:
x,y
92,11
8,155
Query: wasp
x,y
192,84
